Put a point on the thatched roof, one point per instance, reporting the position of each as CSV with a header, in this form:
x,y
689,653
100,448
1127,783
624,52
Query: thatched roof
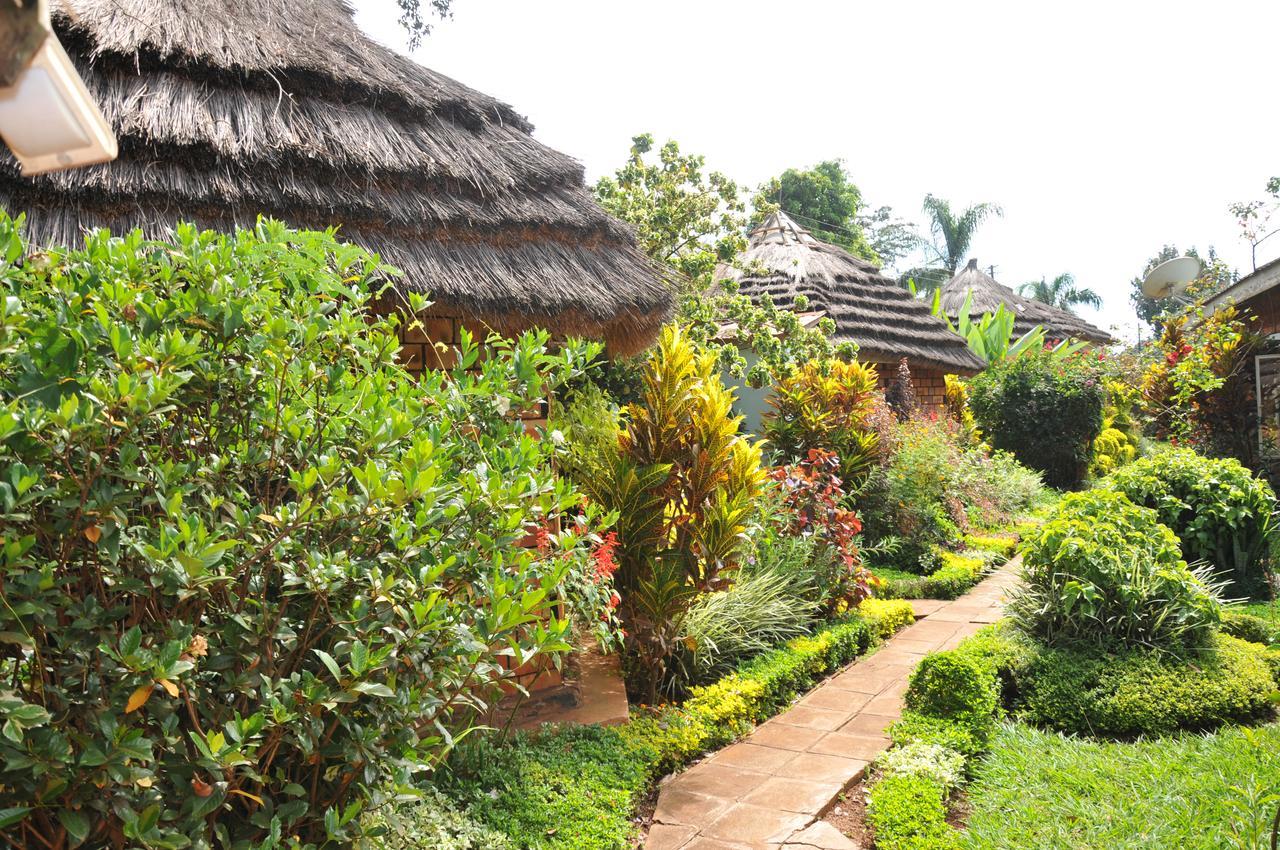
x,y
1028,313
784,260
225,109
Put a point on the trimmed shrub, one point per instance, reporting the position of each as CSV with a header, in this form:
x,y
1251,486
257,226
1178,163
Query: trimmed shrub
x,y
1219,510
958,573
1250,628
958,688
251,567
1000,545
886,616
1145,693
909,812
1045,410
1102,571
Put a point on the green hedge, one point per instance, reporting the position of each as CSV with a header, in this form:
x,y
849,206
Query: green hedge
x,y
958,573
575,788
1142,693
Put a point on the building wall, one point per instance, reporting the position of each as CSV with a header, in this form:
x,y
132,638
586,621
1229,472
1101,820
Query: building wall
x,y
930,384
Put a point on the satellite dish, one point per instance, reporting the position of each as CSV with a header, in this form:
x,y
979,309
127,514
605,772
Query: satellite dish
x,y
1171,278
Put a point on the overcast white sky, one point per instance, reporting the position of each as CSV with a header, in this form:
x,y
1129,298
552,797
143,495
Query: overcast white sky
x,y
1104,130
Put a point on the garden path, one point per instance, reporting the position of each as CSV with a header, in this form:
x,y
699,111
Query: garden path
x,y
770,790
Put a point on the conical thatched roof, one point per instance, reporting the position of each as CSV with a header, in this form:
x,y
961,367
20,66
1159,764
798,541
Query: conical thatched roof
x,y
225,109
1028,313
784,260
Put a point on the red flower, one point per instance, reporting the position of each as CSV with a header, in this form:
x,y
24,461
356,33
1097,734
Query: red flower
x,y
602,558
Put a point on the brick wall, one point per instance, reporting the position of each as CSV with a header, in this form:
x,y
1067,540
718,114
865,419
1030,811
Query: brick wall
x,y
930,385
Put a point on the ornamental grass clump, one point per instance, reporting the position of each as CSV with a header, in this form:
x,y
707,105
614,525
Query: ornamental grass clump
x,y
253,571
1102,571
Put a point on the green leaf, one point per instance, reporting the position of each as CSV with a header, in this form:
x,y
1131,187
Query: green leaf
x,y
330,663
76,824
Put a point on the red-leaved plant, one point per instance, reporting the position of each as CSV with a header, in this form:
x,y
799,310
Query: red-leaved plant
x,y
812,493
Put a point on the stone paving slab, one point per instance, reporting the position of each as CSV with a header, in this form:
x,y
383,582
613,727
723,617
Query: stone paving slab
x,y
770,790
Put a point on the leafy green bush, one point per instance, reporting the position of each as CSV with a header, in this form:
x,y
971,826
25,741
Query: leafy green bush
x,y
585,428
911,498
1139,692
575,788
993,486
909,812
252,569
1251,628
1102,571
1045,410
1219,510
431,821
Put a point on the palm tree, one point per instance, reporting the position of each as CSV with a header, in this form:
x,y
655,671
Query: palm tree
x,y
1062,292
952,236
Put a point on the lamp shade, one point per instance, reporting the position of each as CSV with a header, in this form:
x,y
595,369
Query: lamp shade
x,y
48,119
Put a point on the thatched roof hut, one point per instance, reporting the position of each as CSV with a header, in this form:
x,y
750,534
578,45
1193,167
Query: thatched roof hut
x,y
225,109
1028,313
784,260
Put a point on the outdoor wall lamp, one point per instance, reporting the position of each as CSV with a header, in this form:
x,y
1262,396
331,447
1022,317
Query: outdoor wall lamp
x,y
47,117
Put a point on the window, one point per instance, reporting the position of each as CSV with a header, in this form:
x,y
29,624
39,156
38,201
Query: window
x,y
1267,367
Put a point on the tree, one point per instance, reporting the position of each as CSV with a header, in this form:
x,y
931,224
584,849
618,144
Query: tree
x,y
1061,292
1254,218
1216,275
684,218
952,237
413,19
823,200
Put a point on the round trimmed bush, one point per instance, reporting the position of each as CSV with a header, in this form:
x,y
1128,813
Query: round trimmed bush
x,y
954,686
1219,510
1104,572
1146,693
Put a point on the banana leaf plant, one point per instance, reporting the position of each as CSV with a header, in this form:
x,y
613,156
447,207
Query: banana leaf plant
x,y
990,336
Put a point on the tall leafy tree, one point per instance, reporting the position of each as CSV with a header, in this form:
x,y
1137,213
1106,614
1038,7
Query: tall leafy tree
x,y
953,234
416,17
1061,292
1215,275
685,217
825,200
1254,218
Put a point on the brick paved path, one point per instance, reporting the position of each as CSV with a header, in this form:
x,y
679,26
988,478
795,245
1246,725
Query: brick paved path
x,y
769,791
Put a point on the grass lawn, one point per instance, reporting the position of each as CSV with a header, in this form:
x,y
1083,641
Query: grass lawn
x,y
1044,791
1266,610
890,574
